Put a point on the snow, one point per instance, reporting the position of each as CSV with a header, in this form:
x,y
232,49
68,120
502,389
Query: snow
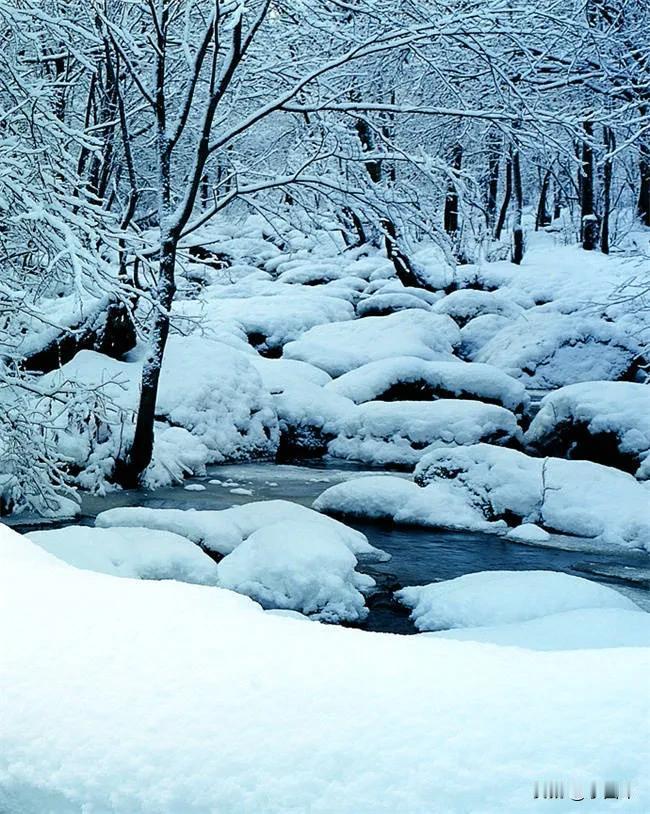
x,y
478,332
129,552
467,304
548,349
309,417
501,597
617,409
590,628
168,698
528,533
571,497
343,346
389,302
302,566
401,432
278,374
223,530
380,379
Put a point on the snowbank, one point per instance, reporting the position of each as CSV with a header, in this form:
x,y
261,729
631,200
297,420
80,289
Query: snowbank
x,y
129,552
501,597
343,346
546,349
606,422
302,566
168,698
401,432
591,628
222,531
407,378
468,303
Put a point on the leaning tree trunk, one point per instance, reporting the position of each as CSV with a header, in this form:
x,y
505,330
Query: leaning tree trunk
x,y
517,229
128,471
610,145
507,195
588,219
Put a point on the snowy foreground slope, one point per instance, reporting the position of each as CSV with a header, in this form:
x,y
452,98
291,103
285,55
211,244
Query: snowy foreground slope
x,y
127,696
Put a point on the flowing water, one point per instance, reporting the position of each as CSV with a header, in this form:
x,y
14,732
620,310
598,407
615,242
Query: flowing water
x,y
418,555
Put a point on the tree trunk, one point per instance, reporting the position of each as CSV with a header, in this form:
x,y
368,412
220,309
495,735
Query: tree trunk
x,y
129,471
643,204
507,195
610,145
451,200
588,219
517,229
493,185
543,219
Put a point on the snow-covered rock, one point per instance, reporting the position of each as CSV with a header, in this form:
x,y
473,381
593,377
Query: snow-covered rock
x,y
279,374
588,628
301,566
138,553
223,530
389,302
401,432
411,379
467,304
343,346
478,332
571,497
547,349
501,597
529,533
606,422
168,698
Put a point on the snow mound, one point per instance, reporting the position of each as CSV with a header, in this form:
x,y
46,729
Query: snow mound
x,y
571,497
401,432
478,332
468,303
409,379
502,597
301,566
529,533
223,530
590,628
343,346
168,698
278,374
546,349
389,302
129,552
605,422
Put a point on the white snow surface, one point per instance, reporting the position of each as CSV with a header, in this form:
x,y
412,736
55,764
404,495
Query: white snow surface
x,y
401,432
621,409
501,597
452,379
343,346
589,628
223,530
301,566
138,553
128,696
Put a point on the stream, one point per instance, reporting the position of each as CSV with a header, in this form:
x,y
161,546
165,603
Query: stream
x,y
419,555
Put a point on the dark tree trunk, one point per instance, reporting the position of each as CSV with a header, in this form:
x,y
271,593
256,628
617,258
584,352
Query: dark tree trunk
x,y
493,185
129,470
643,204
588,219
451,199
610,145
352,221
403,268
517,229
507,195
543,218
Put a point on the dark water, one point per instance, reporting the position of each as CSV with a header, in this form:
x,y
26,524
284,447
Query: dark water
x,y
419,556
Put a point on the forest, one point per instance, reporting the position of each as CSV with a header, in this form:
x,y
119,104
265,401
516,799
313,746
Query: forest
x,y
324,405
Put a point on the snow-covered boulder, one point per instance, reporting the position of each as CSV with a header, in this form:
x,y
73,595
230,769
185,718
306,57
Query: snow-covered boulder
x,y
223,530
343,346
389,302
279,374
301,566
583,629
468,303
478,332
401,432
501,597
138,553
309,418
606,422
570,497
406,378
546,349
